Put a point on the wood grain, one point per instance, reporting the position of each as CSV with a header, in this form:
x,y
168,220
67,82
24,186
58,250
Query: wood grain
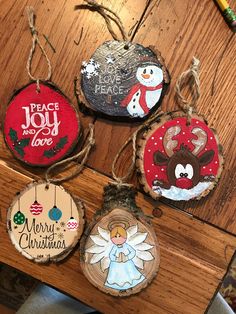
x,y
192,253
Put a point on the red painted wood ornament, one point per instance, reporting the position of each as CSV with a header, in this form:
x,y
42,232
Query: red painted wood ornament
x,y
180,157
41,126
123,79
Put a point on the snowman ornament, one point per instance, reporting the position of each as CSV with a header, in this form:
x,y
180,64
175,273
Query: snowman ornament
x,y
144,95
124,80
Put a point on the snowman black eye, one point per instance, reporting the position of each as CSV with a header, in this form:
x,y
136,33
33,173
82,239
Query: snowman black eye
x,y
144,71
151,72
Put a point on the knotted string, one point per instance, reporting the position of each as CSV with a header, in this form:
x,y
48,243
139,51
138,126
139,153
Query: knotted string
x,y
122,181
35,41
102,10
82,154
191,76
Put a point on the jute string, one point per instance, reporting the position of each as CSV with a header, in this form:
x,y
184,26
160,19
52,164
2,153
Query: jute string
x,y
36,41
191,76
102,10
122,181
82,154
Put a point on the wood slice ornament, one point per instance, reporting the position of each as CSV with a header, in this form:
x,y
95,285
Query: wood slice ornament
x,y
123,79
37,222
41,126
180,157
119,250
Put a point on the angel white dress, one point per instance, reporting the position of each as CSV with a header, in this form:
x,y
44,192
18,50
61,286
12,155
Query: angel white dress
x,y
123,275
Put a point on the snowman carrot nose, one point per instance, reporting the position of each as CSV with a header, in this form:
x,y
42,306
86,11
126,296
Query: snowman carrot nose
x,y
145,76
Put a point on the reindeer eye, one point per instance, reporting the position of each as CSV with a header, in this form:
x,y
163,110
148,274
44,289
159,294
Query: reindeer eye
x,y
179,169
184,172
189,171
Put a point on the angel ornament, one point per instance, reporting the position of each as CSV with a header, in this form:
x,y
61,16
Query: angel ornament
x,y
120,254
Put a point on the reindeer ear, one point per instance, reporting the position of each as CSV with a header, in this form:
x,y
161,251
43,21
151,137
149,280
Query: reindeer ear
x,y
159,158
206,158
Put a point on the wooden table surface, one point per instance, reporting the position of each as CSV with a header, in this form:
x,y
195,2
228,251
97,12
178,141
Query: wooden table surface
x,y
197,239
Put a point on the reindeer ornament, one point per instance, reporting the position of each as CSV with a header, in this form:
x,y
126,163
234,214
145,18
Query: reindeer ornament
x,y
179,156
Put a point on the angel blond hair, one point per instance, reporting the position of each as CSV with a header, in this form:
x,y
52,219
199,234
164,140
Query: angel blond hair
x,y
119,230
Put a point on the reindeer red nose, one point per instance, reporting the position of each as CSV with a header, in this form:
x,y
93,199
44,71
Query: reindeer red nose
x,y
184,183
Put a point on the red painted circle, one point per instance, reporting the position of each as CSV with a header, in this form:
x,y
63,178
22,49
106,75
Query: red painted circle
x,y
41,128
159,172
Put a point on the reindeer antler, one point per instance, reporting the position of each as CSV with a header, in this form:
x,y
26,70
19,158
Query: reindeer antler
x,y
201,140
169,143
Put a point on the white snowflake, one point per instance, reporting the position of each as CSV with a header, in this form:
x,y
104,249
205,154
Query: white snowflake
x,y
90,68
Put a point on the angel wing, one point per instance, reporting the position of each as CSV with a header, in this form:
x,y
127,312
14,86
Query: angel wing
x,y
136,240
101,248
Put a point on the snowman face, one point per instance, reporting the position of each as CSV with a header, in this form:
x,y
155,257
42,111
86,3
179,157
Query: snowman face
x,y
150,75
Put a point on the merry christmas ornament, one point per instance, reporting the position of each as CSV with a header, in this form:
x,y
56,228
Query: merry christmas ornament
x,y
39,237
55,213
72,223
119,251
19,217
41,126
36,208
180,157
123,79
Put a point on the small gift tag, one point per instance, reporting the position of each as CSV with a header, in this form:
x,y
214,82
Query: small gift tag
x,y
119,250
123,79
41,125
180,157
45,222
